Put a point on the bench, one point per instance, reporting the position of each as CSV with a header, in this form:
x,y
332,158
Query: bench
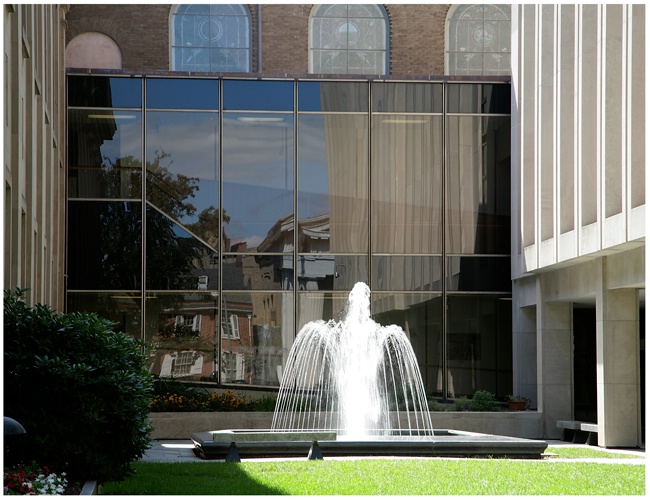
x,y
579,432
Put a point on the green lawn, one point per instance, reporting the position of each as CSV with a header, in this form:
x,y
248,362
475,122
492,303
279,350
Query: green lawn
x,y
383,477
588,452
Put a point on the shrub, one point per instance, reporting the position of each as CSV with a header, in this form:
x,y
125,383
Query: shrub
x,y
266,403
484,401
78,387
178,397
461,404
198,401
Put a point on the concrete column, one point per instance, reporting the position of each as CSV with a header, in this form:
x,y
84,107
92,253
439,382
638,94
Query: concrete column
x,y
554,364
618,366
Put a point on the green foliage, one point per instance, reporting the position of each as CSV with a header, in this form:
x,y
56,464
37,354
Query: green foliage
x,y
199,400
266,403
461,404
435,405
80,389
171,395
484,401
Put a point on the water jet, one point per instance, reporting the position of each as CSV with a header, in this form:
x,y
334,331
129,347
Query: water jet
x,y
353,388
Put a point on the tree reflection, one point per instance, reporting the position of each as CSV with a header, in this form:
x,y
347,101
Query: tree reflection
x,y
169,192
173,250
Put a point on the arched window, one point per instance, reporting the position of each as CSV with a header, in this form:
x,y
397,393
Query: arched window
x,y
210,38
478,40
348,39
93,50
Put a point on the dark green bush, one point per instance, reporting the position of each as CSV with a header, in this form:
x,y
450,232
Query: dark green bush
x,y
266,403
484,401
80,389
461,404
172,395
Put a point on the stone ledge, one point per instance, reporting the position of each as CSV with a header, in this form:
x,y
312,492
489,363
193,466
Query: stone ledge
x,y
181,425
90,488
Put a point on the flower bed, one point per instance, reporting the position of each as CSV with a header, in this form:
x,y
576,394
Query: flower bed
x,y
34,480
180,399
199,401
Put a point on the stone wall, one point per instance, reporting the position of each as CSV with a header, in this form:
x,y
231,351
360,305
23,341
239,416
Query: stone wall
x,y
181,425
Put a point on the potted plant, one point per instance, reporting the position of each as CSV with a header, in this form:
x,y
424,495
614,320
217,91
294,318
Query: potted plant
x,y
517,403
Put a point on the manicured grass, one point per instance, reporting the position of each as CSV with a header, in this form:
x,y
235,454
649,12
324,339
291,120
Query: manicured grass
x,y
591,452
383,477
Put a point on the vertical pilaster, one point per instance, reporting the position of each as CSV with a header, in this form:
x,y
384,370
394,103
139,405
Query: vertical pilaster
x,y
618,369
554,363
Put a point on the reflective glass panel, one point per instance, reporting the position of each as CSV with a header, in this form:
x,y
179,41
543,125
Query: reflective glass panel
x,y
122,308
333,96
106,245
478,98
257,332
259,271
406,272
104,154
258,166
314,306
104,92
407,97
331,272
420,316
479,345
181,332
407,184
177,258
478,185
182,93
333,183
183,171
478,274
253,95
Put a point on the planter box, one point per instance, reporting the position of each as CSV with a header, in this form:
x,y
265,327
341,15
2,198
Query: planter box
x,y
181,425
516,405
521,424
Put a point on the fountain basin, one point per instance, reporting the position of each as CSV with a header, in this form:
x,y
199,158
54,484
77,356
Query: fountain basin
x,y
261,435
215,445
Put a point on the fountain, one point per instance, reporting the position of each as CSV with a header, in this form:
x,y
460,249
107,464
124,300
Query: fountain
x,y
351,377
353,387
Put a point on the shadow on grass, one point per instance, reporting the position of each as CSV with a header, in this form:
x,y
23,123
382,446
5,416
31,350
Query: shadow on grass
x,y
210,478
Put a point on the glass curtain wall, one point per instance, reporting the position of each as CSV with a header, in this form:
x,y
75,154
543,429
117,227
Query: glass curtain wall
x,y
214,218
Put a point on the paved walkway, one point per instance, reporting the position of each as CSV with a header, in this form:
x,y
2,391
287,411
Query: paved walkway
x,y
180,450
